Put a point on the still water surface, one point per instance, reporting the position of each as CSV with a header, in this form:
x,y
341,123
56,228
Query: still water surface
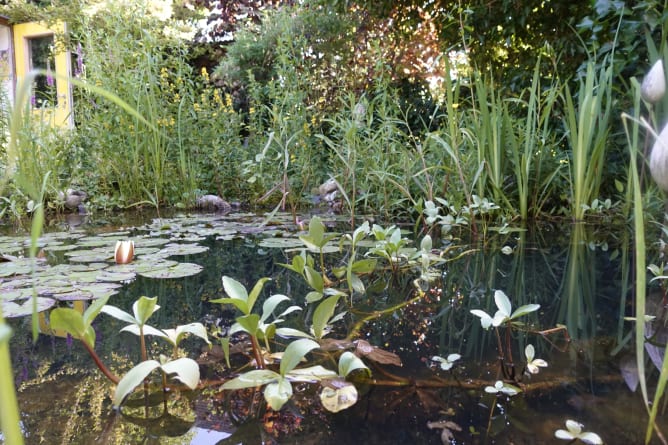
x,y
577,276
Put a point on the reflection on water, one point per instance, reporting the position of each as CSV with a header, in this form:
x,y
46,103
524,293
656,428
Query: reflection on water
x,y
577,278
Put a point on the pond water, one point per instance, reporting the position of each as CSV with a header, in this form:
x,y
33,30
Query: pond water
x,y
576,275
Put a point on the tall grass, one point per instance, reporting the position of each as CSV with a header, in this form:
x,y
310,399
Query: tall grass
x,y
587,124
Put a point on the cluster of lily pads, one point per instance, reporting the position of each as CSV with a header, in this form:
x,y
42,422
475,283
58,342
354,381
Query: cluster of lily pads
x,y
75,265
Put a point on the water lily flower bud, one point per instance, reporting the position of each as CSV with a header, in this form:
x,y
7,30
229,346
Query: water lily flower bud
x,y
658,160
654,84
124,252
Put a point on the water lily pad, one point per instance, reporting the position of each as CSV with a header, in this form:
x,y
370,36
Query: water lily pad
x,y
19,267
178,271
182,249
15,294
281,243
150,242
89,256
99,290
143,250
12,309
107,275
61,247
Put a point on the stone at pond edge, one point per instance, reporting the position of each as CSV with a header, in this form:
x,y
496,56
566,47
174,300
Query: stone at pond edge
x,y
213,202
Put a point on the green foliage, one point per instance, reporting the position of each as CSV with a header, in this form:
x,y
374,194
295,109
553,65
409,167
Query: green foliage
x,y
78,325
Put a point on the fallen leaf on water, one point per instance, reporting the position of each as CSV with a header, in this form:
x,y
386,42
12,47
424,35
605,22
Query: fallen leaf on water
x,y
365,349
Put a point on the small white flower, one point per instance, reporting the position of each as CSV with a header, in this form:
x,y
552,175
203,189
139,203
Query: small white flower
x,y
446,363
501,387
533,364
653,86
575,432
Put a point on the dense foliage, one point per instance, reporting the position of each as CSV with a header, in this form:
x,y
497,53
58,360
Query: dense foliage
x,y
399,102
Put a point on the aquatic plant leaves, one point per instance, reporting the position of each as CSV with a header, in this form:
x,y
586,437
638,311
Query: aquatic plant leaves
x,y
172,249
322,315
295,352
278,393
337,395
349,362
186,370
13,309
180,270
76,324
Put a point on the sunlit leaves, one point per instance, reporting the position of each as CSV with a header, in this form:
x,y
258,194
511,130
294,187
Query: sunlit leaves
x,y
76,324
533,364
500,387
574,432
503,314
186,370
446,363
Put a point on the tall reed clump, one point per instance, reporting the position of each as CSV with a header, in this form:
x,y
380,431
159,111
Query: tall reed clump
x,y
194,144
587,125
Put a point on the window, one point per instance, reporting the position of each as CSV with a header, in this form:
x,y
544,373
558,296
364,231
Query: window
x,y
41,56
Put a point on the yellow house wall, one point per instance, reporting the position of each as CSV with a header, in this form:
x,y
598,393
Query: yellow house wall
x,y
61,114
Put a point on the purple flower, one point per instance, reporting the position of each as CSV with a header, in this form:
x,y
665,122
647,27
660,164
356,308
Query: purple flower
x,y
33,100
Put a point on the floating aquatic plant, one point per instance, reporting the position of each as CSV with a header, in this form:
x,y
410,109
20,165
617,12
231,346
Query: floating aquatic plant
x,y
574,432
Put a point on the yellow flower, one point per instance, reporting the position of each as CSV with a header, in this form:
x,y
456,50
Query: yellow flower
x,y
205,74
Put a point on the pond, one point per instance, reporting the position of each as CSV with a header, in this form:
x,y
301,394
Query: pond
x,y
405,326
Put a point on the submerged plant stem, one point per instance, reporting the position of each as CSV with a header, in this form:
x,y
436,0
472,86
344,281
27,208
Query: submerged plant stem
x,y
107,373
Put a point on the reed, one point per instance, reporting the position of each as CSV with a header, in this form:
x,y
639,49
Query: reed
x,y
587,124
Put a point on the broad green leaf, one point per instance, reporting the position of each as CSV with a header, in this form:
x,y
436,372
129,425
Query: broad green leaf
x,y
313,296
68,320
94,309
238,303
316,229
186,370
251,379
249,323
426,244
234,289
270,304
176,335
356,283
322,314
147,329
349,362
295,352
338,395
132,379
290,332
523,310
297,264
314,279
255,292
364,266
119,314
143,308
360,232
502,302
276,394
311,374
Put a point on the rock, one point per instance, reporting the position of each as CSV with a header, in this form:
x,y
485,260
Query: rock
x,y
214,203
328,186
73,199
